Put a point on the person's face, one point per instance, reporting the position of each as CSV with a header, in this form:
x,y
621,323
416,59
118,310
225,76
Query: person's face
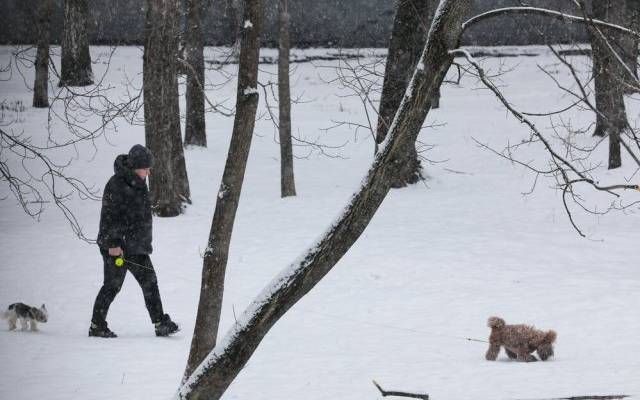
x,y
143,172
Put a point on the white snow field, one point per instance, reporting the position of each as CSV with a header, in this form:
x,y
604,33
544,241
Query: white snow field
x,y
437,260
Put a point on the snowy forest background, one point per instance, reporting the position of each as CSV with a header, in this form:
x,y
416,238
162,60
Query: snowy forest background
x,y
343,192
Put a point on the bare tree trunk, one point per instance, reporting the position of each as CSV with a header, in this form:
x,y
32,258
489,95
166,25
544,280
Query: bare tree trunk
x,y
410,28
229,19
179,164
235,11
194,131
609,76
222,365
169,185
287,182
43,27
216,254
76,60
630,45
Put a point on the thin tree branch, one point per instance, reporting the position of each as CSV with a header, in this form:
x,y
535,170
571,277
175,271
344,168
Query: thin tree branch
x,y
543,12
194,74
558,159
386,393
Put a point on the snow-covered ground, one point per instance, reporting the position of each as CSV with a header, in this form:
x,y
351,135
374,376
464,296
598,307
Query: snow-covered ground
x,y
436,261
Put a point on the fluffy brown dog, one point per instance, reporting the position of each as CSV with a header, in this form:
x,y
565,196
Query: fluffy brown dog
x,y
519,341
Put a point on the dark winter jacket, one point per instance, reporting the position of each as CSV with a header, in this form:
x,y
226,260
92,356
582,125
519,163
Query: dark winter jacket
x,y
125,219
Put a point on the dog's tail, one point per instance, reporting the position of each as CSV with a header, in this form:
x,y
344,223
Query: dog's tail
x,y
4,315
495,322
550,337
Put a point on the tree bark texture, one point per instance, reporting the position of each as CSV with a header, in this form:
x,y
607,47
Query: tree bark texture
x,y
217,252
43,28
219,369
233,13
76,59
194,131
609,76
410,28
630,45
168,183
287,182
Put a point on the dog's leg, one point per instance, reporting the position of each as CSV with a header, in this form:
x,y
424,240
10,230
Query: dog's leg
x,y
12,323
492,352
23,324
34,326
523,355
511,354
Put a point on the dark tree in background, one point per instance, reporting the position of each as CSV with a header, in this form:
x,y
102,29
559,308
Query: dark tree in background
x,y
215,256
231,17
287,182
237,7
169,185
629,44
194,131
43,28
409,35
76,60
608,73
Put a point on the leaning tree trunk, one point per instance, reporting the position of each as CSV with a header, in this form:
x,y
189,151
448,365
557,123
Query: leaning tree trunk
x,y
76,60
43,28
222,365
410,27
287,182
216,254
194,131
611,117
168,183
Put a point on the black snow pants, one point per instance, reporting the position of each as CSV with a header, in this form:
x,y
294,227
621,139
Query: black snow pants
x,y
114,278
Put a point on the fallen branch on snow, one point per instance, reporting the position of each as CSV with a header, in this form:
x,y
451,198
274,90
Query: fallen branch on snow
x,y
386,393
608,397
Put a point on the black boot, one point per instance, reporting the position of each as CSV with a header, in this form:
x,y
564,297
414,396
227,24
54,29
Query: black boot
x,y
101,330
166,326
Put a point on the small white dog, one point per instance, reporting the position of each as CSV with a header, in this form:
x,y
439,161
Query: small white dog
x,y
28,316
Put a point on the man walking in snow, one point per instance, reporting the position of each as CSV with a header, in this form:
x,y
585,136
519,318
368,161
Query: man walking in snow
x,y
125,238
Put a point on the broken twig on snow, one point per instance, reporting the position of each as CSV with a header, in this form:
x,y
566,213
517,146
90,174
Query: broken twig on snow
x,y
386,393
